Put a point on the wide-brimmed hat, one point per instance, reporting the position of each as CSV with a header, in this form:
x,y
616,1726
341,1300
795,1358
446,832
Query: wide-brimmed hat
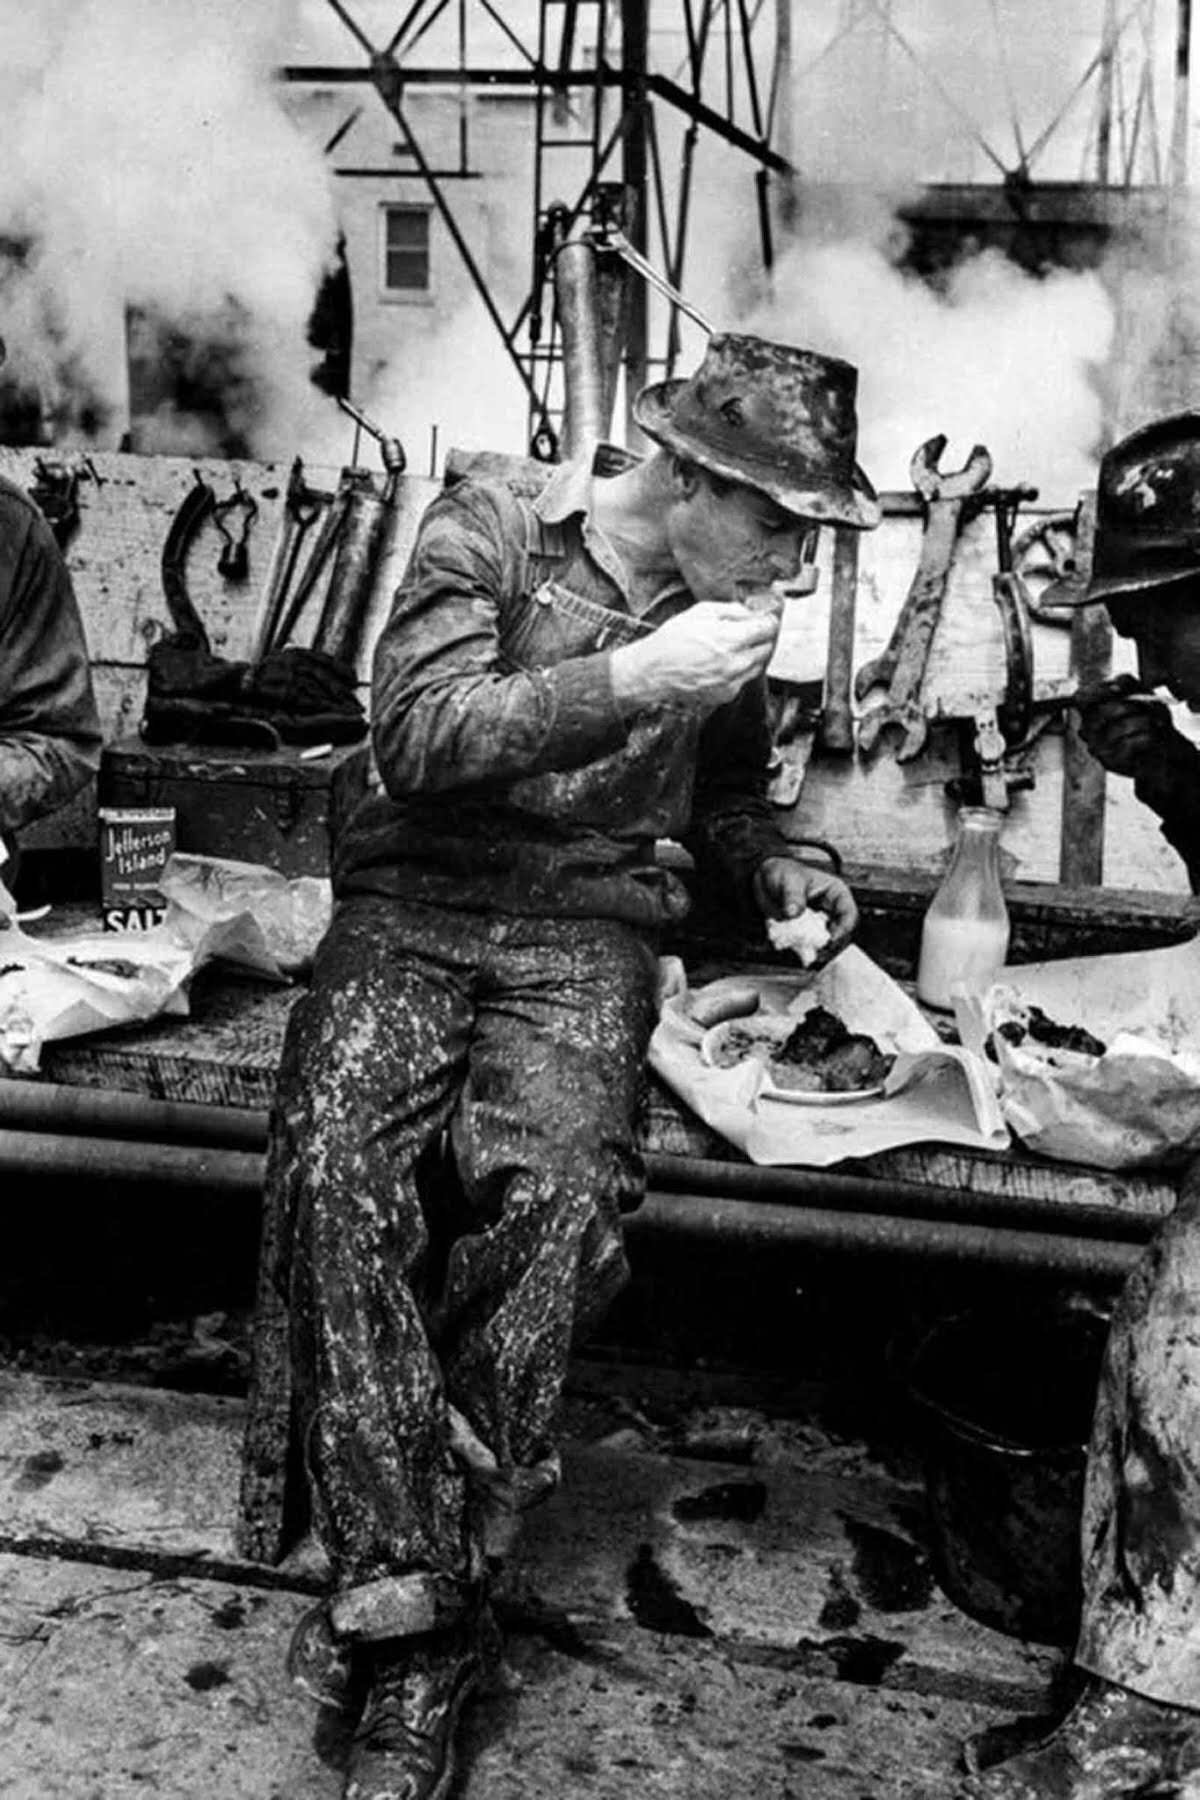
x,y
1147,515
772,416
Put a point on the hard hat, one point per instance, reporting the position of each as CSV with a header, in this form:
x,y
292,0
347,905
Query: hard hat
x,y
773,417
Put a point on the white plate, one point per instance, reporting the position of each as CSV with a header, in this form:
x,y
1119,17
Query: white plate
x,y
819,1096
774,1028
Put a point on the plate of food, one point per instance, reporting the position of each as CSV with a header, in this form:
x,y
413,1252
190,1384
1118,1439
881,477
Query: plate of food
x,y
813,1060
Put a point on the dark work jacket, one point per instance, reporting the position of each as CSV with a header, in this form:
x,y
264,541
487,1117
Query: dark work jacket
x,y
1172,790
49,732
509,778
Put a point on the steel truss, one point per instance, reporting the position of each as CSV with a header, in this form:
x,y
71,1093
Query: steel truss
x,y
598,155
598,158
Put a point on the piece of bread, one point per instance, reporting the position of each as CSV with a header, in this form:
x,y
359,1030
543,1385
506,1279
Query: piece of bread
x,y
807,934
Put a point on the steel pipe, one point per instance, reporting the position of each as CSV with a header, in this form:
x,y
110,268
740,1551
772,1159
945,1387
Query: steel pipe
x,y
53,1107
585,414
42,1154
709,1218
839,1191
763,1225
93,1133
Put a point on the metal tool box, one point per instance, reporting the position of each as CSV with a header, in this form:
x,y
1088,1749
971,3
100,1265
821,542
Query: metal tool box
x,y
278,807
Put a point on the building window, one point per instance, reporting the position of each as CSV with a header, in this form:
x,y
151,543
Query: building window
x,y
405,249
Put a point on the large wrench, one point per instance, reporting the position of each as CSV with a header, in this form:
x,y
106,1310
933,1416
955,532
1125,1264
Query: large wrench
x,y
901,666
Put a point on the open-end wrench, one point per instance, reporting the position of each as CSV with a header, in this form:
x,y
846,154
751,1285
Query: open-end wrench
x,y
901,666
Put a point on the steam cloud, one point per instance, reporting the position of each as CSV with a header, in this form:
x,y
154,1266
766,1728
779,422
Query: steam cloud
x,y
148,165
988,353
997,357
991,354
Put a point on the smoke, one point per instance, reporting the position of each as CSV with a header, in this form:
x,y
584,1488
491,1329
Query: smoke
x,y
985,351
995,357
149,167
465,395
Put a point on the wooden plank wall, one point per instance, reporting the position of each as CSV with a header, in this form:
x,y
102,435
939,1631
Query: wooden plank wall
x,y
877,811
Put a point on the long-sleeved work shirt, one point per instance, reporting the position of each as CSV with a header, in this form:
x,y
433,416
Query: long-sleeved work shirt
x,y
510,776
49,731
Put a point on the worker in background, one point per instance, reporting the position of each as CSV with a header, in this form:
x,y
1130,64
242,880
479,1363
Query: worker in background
x,y
560,684
1136,1727
49,731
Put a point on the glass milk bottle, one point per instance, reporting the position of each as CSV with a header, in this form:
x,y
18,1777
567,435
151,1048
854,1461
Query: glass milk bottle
x,y
965,933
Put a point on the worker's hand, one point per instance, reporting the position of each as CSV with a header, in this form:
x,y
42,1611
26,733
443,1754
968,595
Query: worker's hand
x,y
784,886
705,656
1126,729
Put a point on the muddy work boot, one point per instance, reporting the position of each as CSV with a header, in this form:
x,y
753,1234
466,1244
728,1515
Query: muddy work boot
x,y
403,1746
324,1666
1112,1745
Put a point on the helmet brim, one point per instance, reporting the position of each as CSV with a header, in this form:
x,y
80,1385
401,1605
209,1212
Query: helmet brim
x,y
1113,587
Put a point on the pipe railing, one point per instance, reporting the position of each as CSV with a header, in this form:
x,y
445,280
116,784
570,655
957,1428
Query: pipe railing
x,y
48,1130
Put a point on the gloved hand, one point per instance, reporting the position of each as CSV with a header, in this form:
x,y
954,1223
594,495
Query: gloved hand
x,y
1131,733
1125,728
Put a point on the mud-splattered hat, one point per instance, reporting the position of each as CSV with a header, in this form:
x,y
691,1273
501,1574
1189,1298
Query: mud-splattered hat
x,y
772,416
1147,514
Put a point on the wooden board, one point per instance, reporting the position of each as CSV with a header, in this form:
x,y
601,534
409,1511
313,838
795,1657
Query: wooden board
x,y
876,810
115,555
227,1054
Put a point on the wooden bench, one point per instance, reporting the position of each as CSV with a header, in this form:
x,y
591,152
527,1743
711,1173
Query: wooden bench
x,y
185,1101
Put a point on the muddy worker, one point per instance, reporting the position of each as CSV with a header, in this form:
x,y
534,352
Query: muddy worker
x,y
560,684
1136,1727
49,731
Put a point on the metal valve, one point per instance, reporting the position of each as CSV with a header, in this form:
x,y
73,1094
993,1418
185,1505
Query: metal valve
x,y
391,450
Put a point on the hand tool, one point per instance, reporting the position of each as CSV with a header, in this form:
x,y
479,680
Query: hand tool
x,y
367,518
300,512
1122,687
901,667
196,505
328,533
836,731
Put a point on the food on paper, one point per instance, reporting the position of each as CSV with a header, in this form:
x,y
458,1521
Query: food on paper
x,y
822,1054
807,934
728,1045
818,1055
1037,1026
729,1003
118,966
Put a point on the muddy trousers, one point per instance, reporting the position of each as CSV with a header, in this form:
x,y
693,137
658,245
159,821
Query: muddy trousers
x,y
431,1322
1141,1514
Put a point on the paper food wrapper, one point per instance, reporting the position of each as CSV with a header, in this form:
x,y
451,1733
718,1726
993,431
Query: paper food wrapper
x,y
1139,1103
63,987
935,1091
245,914
240,913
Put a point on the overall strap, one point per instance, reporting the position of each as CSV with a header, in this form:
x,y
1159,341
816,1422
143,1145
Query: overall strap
x,y
544,550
